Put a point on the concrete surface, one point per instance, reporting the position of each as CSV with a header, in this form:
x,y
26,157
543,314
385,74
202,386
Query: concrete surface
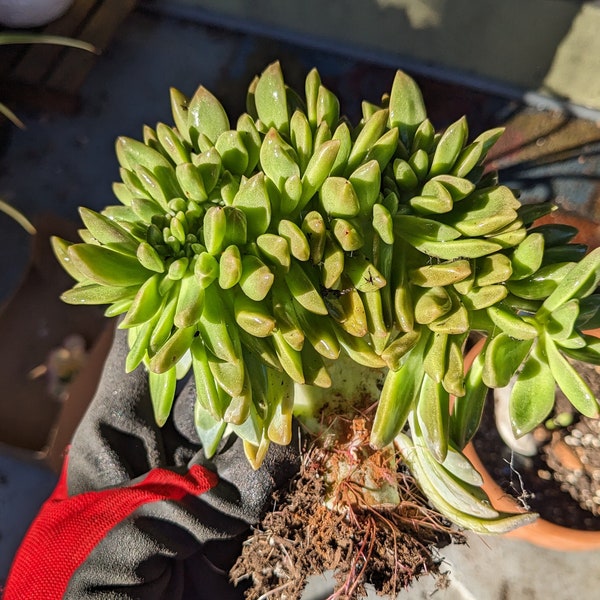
x,y
61,162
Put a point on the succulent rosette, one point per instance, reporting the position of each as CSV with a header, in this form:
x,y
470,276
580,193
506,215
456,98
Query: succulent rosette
x,y
258,255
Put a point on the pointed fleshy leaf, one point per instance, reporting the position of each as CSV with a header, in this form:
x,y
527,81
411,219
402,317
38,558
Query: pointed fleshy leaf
x,y
503,356
207,392
339,198
441,274
256,279
533,394
206,116
60,248
406,107
106,267
230,267
296,239
253,316
172,350
562,320
527,256
370,132
433,412
468,409
366,181
106,230
398,397
145,303
317,170
209,167
190,302
271,99
162,392
278,159
328,107
209,430
448,148
275,249
253,199
579,282
570,382
511,323
304,290
230,145
94,293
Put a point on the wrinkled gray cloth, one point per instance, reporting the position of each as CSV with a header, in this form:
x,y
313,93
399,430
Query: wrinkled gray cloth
x,y
167,550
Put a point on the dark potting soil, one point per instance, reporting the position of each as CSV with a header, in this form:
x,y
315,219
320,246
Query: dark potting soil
x,y
561,482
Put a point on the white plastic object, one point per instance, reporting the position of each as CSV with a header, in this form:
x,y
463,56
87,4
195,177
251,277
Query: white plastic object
x,y
31,13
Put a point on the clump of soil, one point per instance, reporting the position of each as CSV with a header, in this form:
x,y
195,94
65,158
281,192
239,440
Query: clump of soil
x,y
573,459
562,482
327,522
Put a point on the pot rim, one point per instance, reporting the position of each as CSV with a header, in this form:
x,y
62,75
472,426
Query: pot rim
x,y
541,532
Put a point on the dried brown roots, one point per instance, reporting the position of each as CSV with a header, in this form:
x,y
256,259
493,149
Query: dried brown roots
x,y
385,546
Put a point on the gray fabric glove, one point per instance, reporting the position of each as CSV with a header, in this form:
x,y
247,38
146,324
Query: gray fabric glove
x,y
167,544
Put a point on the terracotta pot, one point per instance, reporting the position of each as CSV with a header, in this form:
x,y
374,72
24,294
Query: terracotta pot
x,y
541,532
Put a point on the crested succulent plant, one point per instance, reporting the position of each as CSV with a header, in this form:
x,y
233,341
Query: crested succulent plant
x,y
258,255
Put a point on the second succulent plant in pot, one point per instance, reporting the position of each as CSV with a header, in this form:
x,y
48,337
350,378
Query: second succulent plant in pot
x,y
279,258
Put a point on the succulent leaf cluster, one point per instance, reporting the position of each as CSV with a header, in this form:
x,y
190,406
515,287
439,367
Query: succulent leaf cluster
x,y
257,254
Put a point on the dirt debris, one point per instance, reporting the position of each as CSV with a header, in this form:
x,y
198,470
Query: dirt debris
x,y
386,546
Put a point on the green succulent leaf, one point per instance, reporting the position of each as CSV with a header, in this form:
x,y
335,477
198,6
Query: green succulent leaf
x,y
271,98
107,267
441,274
206,117
562,321
459,510
406,107
570,382
511,324
304,290
368,135
484,212
328,107
338,198
106,230
503,356
145,303
468,409
555,234
432,411
366,182
578,282
398,396
533,393
448,148
542,283
209,430
172,350
94,293
256,278
589,352
230,145
162,392
589,313
278,159
527,257
230,267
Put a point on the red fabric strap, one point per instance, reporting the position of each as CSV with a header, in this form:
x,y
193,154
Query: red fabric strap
x,y
67,528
